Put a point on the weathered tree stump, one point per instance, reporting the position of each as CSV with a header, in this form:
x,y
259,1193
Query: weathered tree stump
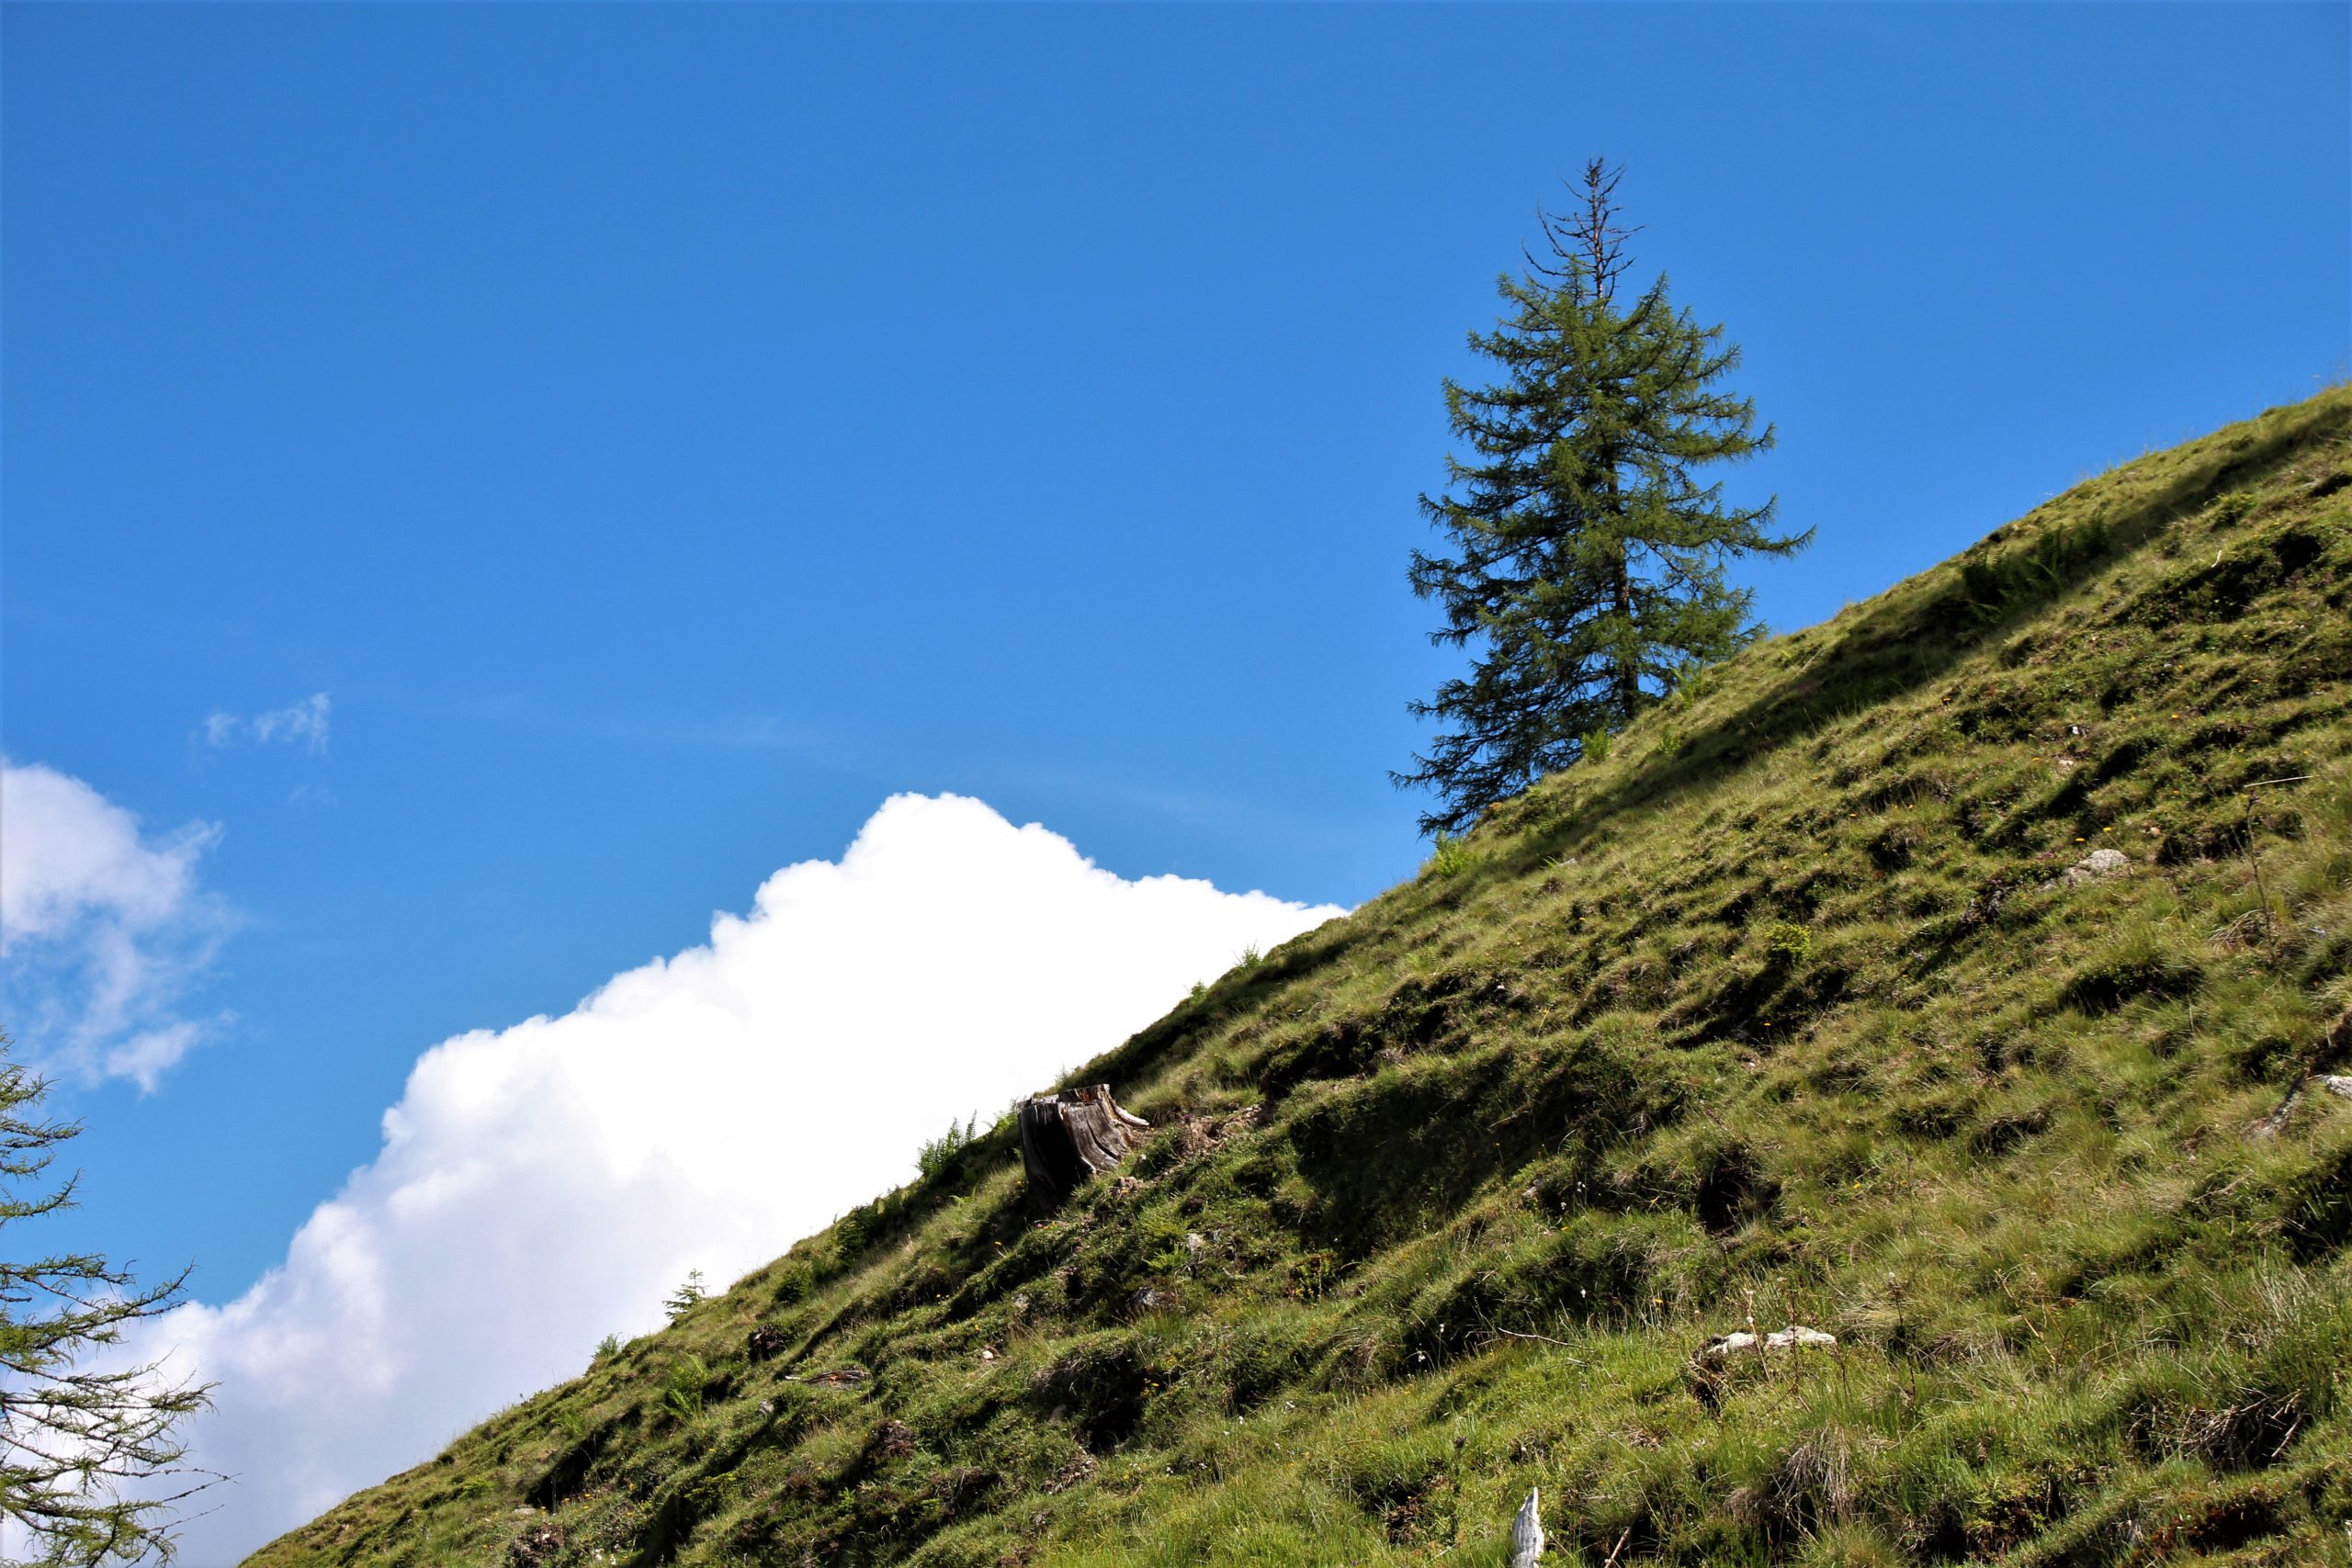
x,y
1066,1137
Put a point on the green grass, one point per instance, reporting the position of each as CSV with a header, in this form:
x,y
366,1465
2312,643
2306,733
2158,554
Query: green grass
x,y
1774,1010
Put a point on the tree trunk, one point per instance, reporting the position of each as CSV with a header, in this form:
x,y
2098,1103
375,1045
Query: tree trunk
x,y
1066,1137
1626,664
1625,673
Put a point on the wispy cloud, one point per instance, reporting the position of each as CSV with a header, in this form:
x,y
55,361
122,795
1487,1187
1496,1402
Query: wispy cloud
x,y
303,724
545,713
543,1184
312,797
103,928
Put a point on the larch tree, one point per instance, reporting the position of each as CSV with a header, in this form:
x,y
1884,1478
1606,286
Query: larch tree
x,y
91,1469
1588,563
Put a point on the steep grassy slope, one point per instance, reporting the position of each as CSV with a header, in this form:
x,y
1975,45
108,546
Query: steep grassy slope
x,y
1781,1012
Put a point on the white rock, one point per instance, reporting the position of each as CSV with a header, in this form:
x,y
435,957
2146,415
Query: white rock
x,y
1527,1534
1796,1337
2095,866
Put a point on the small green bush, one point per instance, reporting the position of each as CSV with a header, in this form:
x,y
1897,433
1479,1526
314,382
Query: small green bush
x,y
1451,856
794,1282
684,1390
937,1153
1690,682
856,1230
1787,943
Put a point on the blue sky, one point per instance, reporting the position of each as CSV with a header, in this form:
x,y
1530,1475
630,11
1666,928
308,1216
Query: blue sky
x,y
662,433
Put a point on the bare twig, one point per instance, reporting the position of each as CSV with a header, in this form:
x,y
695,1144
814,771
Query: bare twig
x,y
2254,855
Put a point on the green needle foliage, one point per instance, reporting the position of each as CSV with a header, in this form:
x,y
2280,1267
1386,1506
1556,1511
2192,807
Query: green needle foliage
x,y
683,1300
1590,561
73,1437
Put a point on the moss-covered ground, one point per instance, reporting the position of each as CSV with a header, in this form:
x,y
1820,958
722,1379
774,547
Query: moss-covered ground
x,y
1782,1013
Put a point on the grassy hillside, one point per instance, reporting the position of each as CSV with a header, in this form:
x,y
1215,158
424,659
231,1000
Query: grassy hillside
x,y
1782,1013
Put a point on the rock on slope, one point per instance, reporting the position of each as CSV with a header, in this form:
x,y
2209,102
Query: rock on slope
x,y
1786,1012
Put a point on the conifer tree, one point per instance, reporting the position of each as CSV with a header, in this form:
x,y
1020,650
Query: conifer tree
x,y
90,1467
1590,562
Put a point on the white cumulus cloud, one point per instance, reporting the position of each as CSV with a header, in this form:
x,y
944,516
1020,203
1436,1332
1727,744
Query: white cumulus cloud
x,y
103,928
542,1185
303,724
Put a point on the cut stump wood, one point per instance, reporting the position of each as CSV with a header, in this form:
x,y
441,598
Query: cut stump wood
x,y
1066,1137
